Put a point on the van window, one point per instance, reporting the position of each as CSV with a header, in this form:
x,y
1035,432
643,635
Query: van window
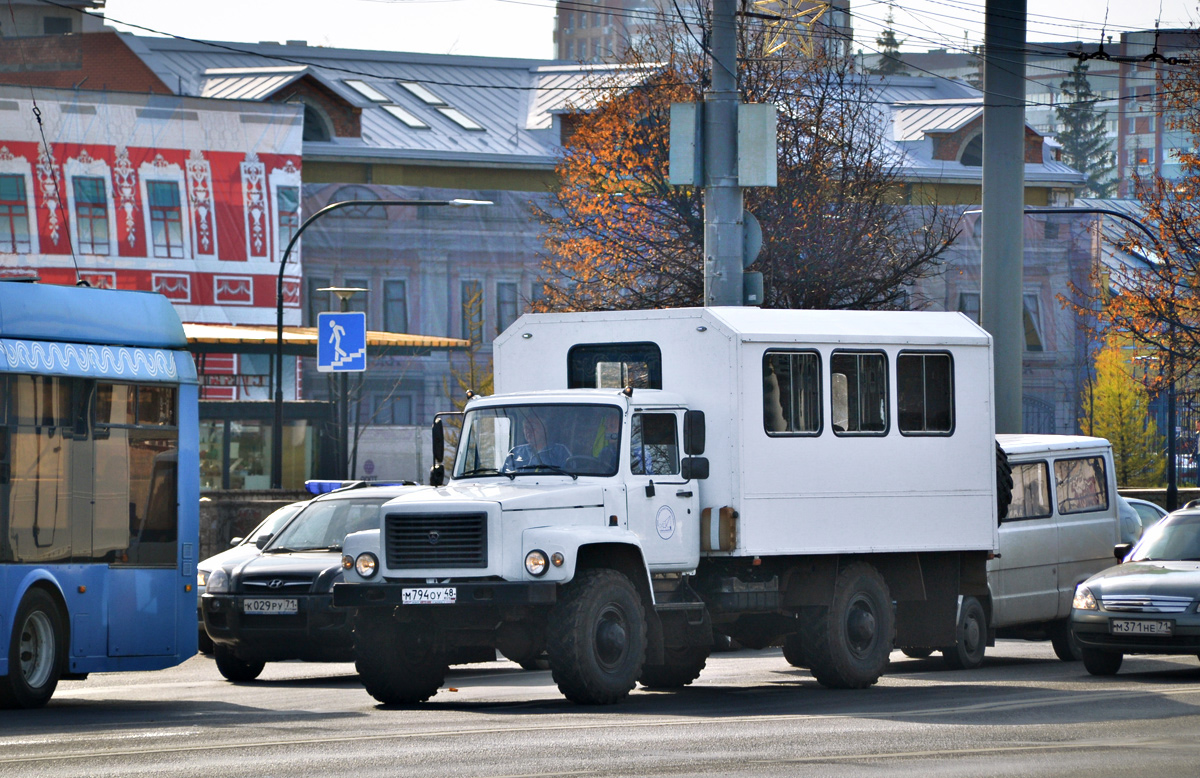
x,y
925,394
858,389
654,448
1081,485
1031,491
614,366
792,392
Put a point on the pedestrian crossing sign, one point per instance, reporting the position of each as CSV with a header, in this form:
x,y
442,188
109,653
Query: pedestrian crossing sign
x,y
342,342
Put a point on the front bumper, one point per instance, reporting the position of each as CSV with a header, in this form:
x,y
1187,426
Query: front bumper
x,y
374,595
1093,631
316,632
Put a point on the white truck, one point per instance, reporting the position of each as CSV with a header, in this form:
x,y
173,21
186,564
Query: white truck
x,y
643,480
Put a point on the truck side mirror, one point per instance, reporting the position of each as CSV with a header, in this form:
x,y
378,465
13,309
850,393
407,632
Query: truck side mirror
x,y
437,473
693,433
694,468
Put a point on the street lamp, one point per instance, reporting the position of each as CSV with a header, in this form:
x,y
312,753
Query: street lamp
x,y
277,430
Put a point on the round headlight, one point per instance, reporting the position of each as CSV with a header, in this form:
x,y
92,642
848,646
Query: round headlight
x,y
366,564
218,582
535,562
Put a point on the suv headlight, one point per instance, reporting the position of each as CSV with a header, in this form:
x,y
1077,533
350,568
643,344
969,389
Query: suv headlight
x,y
201,577
1084,600
366,564
218,582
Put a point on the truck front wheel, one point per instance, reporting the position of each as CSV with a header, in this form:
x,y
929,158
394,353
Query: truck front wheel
x,y
596,638
852,639
397,666
682,666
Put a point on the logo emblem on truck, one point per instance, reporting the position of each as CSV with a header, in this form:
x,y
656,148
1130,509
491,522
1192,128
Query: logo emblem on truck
x,y
434,537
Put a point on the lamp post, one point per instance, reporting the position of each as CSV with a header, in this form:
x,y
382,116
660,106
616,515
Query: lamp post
x,y
277,429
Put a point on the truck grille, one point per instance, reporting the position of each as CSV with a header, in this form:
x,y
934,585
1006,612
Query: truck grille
x,y
444,540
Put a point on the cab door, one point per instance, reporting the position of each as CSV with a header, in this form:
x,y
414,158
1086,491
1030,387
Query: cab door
x,y
663,507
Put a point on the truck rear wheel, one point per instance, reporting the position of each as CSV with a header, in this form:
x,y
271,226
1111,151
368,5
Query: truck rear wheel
x,y
682,666
596,638
397,666
852,639
36,654
967,653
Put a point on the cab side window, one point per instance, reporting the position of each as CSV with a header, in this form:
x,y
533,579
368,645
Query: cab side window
x,y
1031,491
1081,485
654,447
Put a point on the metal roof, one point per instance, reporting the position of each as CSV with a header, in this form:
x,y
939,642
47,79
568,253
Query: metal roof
x,y
250,339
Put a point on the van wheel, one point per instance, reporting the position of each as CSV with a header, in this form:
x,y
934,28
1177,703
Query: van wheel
x,y
1066,646
233,668
916,652
596,638
967,653
36,653
396,666
682,666
793,650
852,640
1102,662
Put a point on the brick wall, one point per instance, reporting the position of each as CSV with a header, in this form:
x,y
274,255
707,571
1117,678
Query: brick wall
x,y
949,145
97,60
346,118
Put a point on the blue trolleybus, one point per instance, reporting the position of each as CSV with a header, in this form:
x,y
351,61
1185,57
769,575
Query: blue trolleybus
x,y
99,487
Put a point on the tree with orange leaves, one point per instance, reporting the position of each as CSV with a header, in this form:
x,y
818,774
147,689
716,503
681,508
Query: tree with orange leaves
x,y
619,236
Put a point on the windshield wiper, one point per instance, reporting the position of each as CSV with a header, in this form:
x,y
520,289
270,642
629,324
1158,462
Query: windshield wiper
x,y
480,471
552,468
280,550
289,550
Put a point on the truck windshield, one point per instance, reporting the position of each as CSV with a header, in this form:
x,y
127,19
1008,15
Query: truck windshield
x,y
518,440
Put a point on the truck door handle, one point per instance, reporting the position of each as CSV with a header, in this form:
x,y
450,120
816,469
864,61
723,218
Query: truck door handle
x,y
683,493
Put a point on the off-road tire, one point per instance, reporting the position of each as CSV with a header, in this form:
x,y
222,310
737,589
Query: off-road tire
x,y
1066,647
682,666
36,653
916,652
397,666
971,644
1004,483
596,638
1102,662
794,650
233,668
852,639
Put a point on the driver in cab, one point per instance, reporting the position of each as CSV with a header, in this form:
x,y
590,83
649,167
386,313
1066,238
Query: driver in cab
x,y
536,450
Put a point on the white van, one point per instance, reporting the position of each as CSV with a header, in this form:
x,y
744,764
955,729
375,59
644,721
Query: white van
x,y
1060,529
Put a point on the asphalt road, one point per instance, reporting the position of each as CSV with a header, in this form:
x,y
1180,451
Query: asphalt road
x,y
1023,714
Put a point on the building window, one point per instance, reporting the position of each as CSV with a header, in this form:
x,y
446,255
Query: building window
x,y
472,311
925,394
791,392
316,128
972,155
287,202
318,302
56,25
1033,324
166,219
358,300
395,306
393,409
506,306
859,393
14,216
968,303
91,215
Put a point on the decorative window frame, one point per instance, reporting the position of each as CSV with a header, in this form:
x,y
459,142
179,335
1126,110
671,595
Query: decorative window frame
x,y
201,204
255,208
20,166
287,175
85,166
160,170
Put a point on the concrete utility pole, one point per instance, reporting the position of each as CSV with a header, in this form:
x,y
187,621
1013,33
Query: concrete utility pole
x,y
723,242
1001,303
